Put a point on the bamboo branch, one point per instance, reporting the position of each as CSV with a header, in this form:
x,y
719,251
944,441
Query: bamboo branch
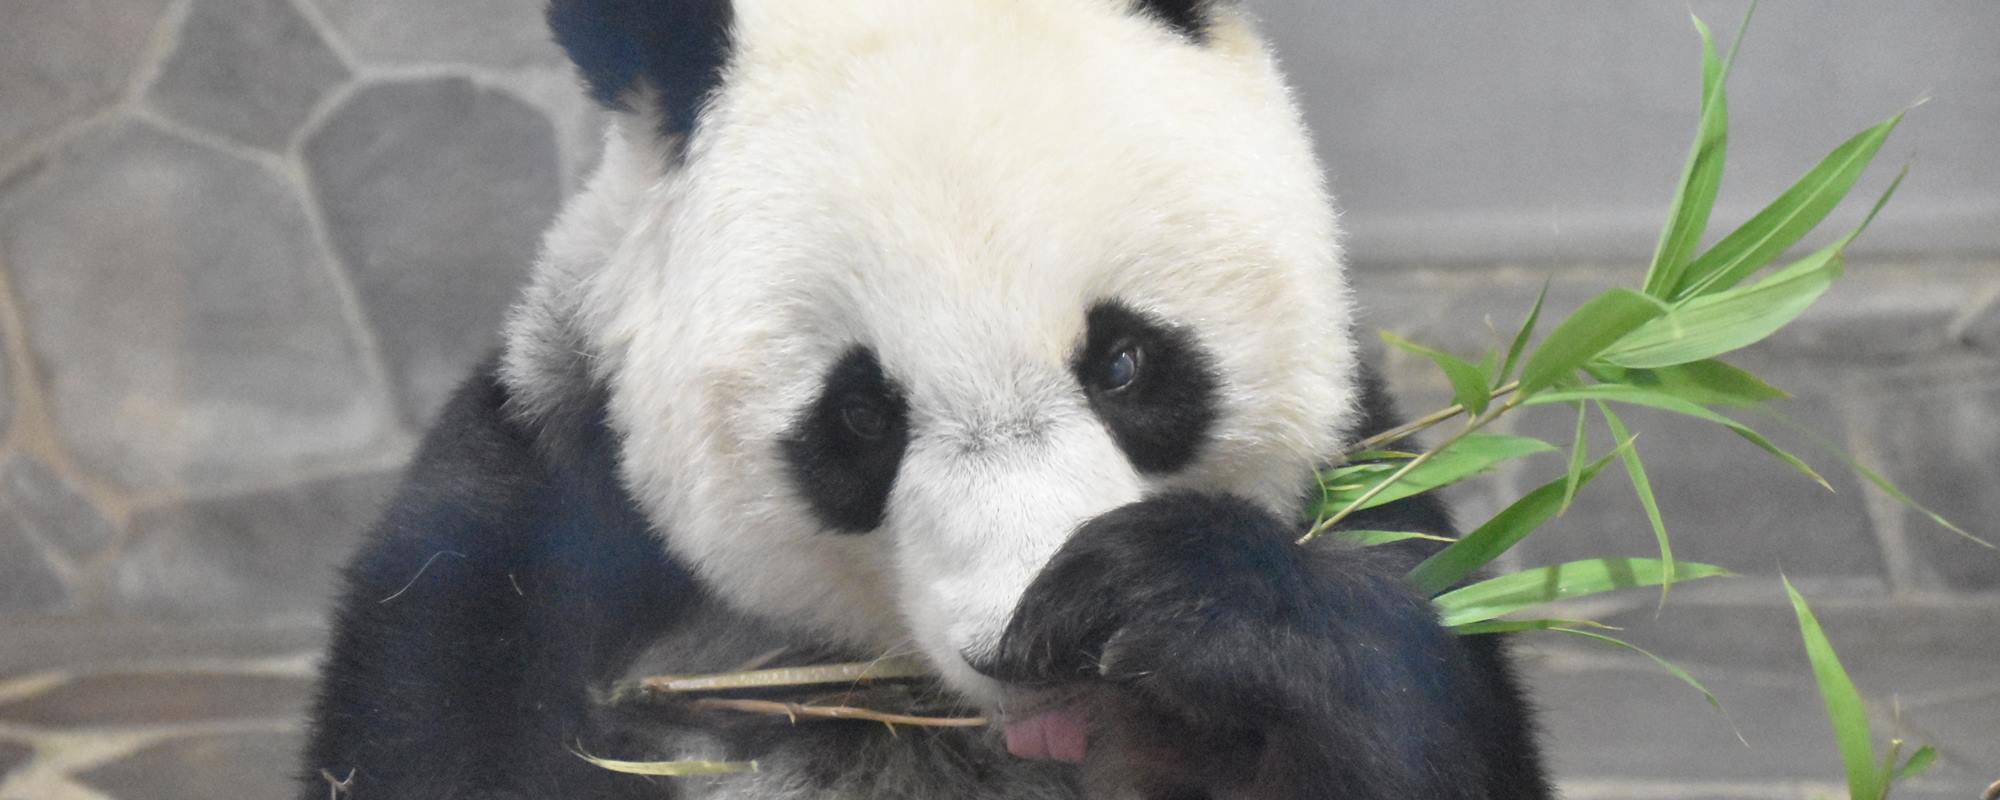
x,y
796,711
1470,427
859,673
1420,424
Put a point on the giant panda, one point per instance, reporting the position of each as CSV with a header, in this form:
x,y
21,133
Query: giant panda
x,y
1007,333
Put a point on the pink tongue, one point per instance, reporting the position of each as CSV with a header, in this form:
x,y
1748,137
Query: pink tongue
x,y
1057,735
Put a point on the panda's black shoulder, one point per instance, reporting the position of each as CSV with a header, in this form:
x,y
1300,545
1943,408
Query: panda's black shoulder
x,y
506,579
473,458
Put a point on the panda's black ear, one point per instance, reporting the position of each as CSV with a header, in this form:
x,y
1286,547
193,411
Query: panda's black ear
x,y
1187,17
674,49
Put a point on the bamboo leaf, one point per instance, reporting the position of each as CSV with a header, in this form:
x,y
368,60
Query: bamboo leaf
x,y
1694,196
1671,668
1519,625
1787,219
1635,395
1843,704
1877,479
1606,319
1893,755
1520,343
1920,761
1708,382
1644,488
1903,497
1713,324
1503,531
1468,381
1468,456
1513,592
1579,455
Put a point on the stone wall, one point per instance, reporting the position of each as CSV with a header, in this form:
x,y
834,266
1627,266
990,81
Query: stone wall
x,y
246,247
249,246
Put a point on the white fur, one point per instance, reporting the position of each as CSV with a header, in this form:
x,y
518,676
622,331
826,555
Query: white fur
x,y
953,183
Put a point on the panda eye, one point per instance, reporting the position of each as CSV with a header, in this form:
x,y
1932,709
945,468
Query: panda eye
x,y
864,419
1121,369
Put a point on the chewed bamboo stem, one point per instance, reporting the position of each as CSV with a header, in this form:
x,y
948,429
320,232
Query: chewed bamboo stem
x,y
858,673
798,711
671,769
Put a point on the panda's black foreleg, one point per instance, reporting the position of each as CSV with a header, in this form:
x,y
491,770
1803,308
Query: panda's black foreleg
x,y
1252,667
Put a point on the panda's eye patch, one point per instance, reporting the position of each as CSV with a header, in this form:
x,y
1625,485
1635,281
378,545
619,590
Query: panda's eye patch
x,y
845,448
1151,384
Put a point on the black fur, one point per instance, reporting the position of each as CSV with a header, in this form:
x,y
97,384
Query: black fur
x,y
1162,419
845,475
1187,17
1242,665
512,577
676,48
505,579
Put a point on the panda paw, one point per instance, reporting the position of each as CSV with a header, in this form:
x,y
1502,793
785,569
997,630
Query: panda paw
x,y
1201,613
1161,595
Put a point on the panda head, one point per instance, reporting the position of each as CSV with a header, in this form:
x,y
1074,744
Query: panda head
x,y
888,296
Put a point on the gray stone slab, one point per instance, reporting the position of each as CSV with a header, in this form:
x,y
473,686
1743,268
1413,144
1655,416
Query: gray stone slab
x,y
1936,432
52,512
1965,785
59,61
29,583
241,765
1877,315
1982,330
443,31
6,392
215,348
139,645
1889,648
1640,726
1965,730
157,698
1466,313
250,70
436,193
266,556
1646,725
1724,500
13,755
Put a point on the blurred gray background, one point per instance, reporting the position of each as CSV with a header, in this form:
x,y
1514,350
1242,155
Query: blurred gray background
x,y
246,246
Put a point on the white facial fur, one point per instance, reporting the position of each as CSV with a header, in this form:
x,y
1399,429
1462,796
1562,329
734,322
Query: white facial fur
x,y
952,183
